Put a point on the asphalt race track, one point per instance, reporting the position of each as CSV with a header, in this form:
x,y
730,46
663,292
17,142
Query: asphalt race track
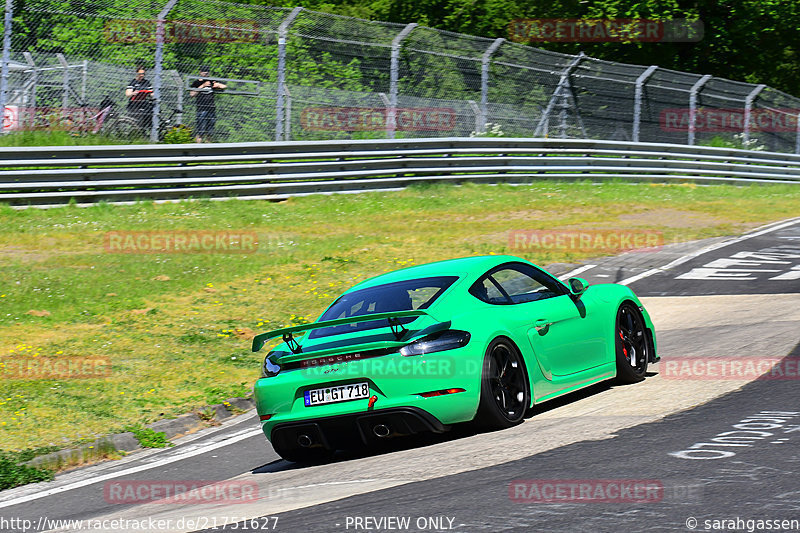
x,y
759,481
701,440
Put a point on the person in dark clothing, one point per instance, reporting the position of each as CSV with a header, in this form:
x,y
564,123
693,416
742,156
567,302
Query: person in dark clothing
x,y
140,103
203,92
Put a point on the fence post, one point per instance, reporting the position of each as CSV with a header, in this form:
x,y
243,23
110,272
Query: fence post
x,y
7,18
485,59
287,115
283,31
479,124
159,59
387,104
34,79
637,100
559,91
65,83
693,92
797,141
394,74
83,81
748,108
178,81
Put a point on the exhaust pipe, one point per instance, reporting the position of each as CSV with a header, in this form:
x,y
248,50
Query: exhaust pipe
x,y
304,440
381,431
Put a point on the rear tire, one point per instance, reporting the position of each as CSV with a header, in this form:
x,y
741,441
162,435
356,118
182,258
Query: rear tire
x,y
505,394
632,345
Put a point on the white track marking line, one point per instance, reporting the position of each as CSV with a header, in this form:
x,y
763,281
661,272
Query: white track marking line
x,y
236,437
688,257
575,272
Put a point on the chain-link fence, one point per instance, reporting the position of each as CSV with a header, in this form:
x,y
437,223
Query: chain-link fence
x,y
295,74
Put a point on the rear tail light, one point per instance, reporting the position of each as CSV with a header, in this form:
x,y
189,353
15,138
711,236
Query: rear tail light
x,y
444,340
440,392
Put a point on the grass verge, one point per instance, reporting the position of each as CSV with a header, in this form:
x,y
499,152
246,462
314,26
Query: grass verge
x,y
60,138
174,329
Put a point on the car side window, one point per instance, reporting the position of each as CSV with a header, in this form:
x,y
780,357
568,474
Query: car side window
x,y
525,284
487,291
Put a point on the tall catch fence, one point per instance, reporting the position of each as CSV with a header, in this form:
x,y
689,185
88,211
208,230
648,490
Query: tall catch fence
x,y
295,74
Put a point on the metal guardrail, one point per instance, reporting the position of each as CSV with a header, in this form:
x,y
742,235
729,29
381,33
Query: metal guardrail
x,y
47,176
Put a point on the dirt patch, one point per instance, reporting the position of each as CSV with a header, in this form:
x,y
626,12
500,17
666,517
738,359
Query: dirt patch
x,y
18,253
673,218
528,214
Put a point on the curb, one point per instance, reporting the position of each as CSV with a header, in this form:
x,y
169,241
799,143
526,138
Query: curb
x,y
127,442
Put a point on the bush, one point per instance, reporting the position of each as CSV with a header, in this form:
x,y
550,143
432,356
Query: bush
x,y
180,134
149,438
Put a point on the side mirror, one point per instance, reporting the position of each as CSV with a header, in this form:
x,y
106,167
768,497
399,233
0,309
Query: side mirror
x,y
577,286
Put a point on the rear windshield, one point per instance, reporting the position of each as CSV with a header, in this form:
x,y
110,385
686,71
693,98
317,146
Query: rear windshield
x,y
398,296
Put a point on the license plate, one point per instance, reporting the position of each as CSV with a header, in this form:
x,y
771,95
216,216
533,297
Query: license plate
x,y
339,393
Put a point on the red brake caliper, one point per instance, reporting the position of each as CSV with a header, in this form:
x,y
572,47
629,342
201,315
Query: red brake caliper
x,y
624,350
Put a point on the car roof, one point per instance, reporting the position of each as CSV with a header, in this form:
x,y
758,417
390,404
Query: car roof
x,y
464,266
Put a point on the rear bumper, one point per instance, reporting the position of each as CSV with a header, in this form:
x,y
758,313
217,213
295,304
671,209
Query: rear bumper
x,y
336,432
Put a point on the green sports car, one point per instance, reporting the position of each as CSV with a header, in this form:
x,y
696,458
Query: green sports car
x,y
477,339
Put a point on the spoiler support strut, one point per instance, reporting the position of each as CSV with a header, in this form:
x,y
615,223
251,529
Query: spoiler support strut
x,y
397,327
292,343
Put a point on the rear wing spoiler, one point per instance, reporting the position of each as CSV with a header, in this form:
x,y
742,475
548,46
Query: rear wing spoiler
x,y
288,333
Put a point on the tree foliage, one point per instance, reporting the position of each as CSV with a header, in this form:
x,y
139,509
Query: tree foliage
x,y
746,40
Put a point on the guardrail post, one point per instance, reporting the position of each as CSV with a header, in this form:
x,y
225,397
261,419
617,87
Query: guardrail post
x,y
485,59
637,100
7,20
394,74
748,109
159,60
693,92
280,112
559,91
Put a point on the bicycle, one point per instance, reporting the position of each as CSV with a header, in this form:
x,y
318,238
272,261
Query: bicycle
x,y
112,122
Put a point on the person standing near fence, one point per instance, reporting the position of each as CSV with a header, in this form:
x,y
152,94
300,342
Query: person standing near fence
x,y
203,92
140,103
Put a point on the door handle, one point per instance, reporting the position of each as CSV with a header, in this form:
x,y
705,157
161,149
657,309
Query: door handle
x,y
542,324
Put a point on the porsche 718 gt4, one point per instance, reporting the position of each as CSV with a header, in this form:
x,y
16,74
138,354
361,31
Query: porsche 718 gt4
x,y
478,339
